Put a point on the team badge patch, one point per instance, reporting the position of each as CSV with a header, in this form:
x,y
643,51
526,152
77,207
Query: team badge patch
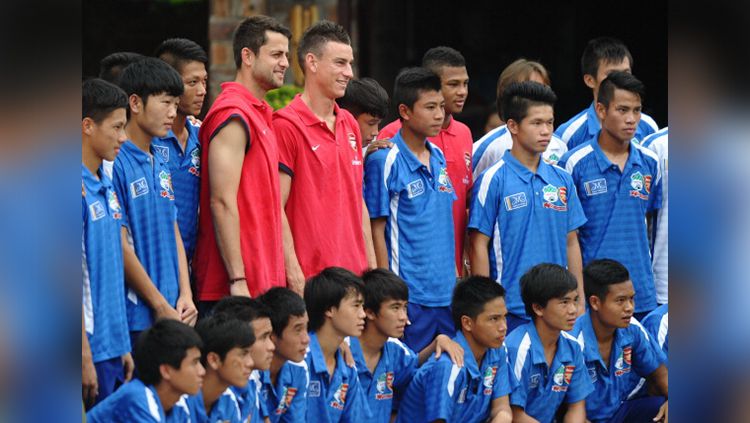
x,y
515,201
569,373
313,389
352,140
114,205
96,210
621,366
195,162
595,187
489,379
560,379
551,159
641,185
443,178
467,159
339,397
384,386
162,152
415,188
555,198
627,354
138,188
287,395
165,180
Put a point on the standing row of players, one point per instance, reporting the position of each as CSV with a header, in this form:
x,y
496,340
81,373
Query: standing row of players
x,y
245,245
254,359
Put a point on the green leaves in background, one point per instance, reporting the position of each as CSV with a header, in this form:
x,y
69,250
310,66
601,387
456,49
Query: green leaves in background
x,y
281,96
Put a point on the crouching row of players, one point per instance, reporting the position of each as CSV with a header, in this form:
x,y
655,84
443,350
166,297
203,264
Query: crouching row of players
x,y
350,366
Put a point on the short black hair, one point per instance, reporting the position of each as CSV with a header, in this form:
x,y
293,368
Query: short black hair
x,y
606,49
242,308
544,282
471,294
315,37
437,57
166,342
600,274
410,82
151,76
221,333
111,66
518,97
326,290
622,80
251,33
365,96
179,51
100,98
283,303
382,285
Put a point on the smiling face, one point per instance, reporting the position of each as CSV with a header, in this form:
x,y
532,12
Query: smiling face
x,y
294,339
194,78
455,87
332,70
271,62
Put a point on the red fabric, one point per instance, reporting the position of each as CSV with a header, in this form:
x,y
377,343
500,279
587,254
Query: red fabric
x,y
258,200
455,141
324,207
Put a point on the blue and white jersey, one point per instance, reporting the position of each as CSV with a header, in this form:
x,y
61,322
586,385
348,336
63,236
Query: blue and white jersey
x,y
543,389
226,409
442,390
392,375
527,216
333,398
135,402
417,203
144,187
185,168
489,149
658,143
248,397
616,203
633,355
287,401
657,326
585,125
103,275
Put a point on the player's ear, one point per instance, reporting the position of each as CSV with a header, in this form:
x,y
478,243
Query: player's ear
x,y
538,309
467,323
213,360
595,303
513,126
87,125
589,80
601,110
248,57
135,103
403,111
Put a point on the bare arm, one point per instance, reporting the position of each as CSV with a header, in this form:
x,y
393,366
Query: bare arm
x,y
575,266
366,228
576,413
225,158
520,416
295,279
478,255
185,307
89,380
442,343
500,411
378,241
139,281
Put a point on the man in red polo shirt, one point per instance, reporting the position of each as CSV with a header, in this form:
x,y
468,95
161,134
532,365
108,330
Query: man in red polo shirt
x,y
239,249
454,139
321,164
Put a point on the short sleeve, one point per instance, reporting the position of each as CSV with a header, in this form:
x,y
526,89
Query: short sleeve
x,y
287,138
521,375
647,354
404,367
443,385
576,216
655,198
485,203
376,191
298,408
580,383
120,185
356,409
504,379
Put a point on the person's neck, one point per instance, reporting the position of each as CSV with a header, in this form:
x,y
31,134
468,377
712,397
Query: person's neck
x,y
417,143
138,136
330,340
178,126
611,145
321,106
528,159
547,335
167,396
277,362
476,349
372,340
246,80
90,160
212,389
604,333
447,120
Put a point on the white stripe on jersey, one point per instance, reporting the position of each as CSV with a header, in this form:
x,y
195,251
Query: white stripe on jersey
x,y
455,370
577,157
663,329
573,127
487,180
523,354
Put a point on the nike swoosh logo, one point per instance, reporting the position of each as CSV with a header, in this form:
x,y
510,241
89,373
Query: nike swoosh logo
x,y
315,147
